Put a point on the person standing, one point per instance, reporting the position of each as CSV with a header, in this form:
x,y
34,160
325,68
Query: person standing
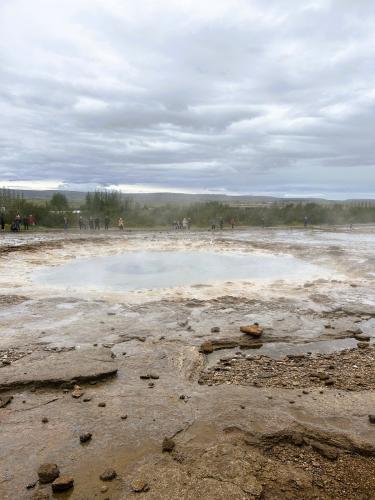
x,y
97,223
106,222
17,222
2,221
121,224
25,221
232,222
66,223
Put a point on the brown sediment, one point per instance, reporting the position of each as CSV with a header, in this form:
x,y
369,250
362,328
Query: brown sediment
x,y
351,370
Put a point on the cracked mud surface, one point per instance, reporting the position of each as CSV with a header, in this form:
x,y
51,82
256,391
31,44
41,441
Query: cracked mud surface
x,y
236,432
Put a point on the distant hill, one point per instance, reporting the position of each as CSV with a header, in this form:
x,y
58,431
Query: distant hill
x,y
157,199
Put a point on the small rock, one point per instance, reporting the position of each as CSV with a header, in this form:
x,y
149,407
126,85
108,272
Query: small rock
x,y
207,348
182,396
215,329
144,377
371,419
32,485
305,391
254,330
62,483
86,436
48,473
154,376
138,485
102,404
124,417
104,489
77,392
108,475
45,420
151,385
92,382
87,399
242,407
168,444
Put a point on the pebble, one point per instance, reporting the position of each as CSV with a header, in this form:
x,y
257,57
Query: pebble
x,y
104,489
151,385
77,392
86,436
102,404
371,419
215,329
87,399
124,417
45,420
108,475
63,483
48,472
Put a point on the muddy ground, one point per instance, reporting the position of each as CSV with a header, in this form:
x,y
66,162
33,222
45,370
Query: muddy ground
x,y
289,419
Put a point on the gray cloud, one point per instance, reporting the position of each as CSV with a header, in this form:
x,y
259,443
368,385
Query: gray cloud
x,y
231,96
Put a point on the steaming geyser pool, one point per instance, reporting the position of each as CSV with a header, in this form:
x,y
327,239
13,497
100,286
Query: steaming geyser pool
x,y
168,269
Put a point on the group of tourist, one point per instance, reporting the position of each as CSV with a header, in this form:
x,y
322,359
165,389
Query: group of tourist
x,y
217,223
94,223
183,224
19,222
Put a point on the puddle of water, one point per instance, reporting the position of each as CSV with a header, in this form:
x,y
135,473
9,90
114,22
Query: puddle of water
x,y
278,350
148,270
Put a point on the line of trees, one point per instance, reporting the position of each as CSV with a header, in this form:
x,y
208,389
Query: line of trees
x,y
113,204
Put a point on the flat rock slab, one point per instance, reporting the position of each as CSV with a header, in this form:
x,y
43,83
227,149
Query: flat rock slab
x,y
52,369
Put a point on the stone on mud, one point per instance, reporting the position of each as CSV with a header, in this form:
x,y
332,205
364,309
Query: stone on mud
x,y
207,348
371,419
86,436
48,473
108,475
63,483
254,330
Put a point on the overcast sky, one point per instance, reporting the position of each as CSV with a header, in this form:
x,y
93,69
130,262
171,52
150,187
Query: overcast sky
x,y
222,96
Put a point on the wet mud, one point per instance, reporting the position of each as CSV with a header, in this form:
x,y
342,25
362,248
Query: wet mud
x,y
290,419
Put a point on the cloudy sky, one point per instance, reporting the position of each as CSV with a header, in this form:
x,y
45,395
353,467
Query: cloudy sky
x,y
222,96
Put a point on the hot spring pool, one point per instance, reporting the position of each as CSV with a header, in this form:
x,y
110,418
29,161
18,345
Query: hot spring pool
x,y
167,269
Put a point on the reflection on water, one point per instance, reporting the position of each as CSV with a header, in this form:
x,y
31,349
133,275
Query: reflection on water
x,y
147,270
